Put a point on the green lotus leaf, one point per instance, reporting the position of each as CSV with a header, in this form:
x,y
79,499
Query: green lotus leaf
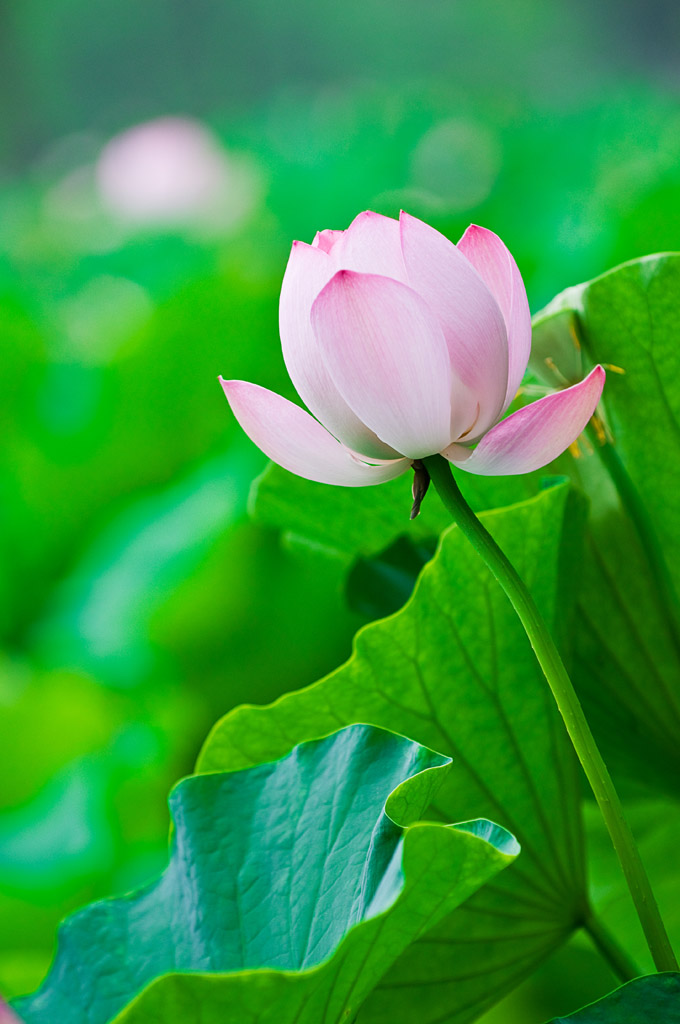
x,y
627,636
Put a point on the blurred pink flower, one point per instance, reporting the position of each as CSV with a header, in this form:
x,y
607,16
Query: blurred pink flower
x,y
403,345
162,171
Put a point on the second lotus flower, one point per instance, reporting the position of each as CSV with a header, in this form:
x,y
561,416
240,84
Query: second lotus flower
x,y
403,345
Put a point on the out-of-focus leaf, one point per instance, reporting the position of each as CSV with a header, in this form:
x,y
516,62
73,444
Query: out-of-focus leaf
x,y
210,626
367,530
656,826
82,808
61,837
627,645
654,999
91,431
455,670
47,720
354,522
377,587
100,616
291,888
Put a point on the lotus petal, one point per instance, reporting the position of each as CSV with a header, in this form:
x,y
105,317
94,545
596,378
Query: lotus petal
x,y
371,245
387,355
535,435
472,321
309,269
494,263
295,440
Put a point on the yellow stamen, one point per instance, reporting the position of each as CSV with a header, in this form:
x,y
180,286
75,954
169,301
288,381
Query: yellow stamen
x,y
535,389
550,363
599,428
574,336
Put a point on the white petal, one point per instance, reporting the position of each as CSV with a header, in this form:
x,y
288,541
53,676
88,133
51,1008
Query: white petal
x,y
292,438
326,239
371,245
387,355
309,269
471,319
493,261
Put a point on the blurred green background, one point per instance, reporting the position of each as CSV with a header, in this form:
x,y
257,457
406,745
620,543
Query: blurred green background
x,y
157,159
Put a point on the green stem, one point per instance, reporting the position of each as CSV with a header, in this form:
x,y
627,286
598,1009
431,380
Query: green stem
x,y
569,707
637,512
605,943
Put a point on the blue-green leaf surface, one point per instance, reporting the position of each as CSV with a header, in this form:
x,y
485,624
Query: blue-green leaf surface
x,y
651,1000
289,892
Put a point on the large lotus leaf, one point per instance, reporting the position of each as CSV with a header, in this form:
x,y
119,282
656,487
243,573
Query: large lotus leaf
x,y
368,530
627,646
290,890
455,670
627,642
654,999
361,521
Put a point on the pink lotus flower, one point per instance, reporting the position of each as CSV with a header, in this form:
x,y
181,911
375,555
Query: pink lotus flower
x,y
403,345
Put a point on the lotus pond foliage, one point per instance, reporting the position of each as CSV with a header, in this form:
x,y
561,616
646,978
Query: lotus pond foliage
x,y
380,815
455,671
